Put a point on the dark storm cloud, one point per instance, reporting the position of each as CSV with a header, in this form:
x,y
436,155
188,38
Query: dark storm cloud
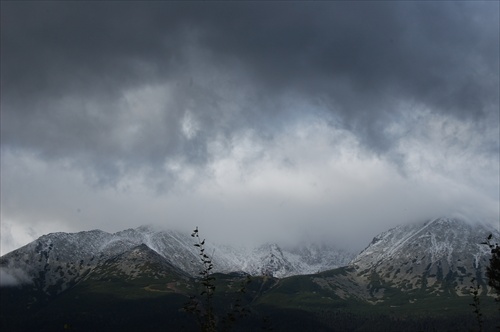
x,y
66,66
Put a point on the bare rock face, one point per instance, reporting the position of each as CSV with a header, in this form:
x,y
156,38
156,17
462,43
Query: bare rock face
x,y
56,261
137,262
431,254
441,255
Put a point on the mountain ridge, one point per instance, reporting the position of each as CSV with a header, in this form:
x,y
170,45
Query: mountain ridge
x,y
81,251
76,254
440,255
409,273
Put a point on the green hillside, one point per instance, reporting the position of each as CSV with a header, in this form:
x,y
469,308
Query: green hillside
x,y
298,303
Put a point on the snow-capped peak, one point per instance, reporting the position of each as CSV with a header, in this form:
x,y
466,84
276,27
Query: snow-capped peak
x,y
437,248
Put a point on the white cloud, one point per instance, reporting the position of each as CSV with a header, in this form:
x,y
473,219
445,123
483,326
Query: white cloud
x,y
311,178
13,277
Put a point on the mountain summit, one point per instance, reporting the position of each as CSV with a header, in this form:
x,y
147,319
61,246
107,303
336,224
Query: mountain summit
x,y
428,253
411,256
58,260
413,271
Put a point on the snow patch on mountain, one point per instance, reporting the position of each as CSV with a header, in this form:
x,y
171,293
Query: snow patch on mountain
x,y
58,260
426,254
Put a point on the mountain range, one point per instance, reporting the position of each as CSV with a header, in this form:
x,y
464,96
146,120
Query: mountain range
x,y
57,260
403,274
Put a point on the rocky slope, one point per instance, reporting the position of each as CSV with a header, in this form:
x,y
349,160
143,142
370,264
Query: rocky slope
x,y
412,277
58,260
439,256
441,249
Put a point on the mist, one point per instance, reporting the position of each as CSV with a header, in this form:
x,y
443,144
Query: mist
x,y
257,122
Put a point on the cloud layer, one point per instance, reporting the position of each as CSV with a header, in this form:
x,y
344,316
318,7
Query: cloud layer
x,y
227,111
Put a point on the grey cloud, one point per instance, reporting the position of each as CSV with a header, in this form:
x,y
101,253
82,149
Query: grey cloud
x,y
66,66
13,277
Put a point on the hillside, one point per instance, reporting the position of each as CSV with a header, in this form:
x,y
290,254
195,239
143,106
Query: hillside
x,y
412,277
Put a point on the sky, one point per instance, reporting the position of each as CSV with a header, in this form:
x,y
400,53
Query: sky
x,y
255,121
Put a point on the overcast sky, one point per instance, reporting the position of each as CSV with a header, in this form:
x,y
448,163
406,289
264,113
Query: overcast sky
x,y
255,121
